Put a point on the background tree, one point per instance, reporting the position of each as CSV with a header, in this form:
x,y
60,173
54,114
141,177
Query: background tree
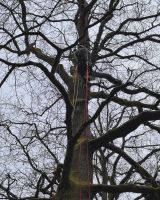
x,y
47,149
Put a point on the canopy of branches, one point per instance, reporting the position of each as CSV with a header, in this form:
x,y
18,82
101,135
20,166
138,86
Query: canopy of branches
x,y
37,38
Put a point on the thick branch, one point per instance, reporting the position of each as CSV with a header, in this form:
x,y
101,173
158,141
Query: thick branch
x,y
64,75
123,188
125,128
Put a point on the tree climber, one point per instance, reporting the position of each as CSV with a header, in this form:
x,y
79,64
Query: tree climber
x,y
81,58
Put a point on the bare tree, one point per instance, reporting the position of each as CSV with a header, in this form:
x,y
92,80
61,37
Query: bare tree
x,y
66,136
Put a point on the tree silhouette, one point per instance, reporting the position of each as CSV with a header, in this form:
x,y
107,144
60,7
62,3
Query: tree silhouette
x,y
64,136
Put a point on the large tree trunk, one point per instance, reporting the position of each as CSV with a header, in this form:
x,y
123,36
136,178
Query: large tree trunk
x,y
80,176
81,170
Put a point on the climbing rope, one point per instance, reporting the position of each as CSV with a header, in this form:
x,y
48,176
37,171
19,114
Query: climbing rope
x,y
75,90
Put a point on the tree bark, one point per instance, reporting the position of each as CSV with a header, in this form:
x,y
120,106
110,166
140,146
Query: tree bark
x,y
81,172
80,176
